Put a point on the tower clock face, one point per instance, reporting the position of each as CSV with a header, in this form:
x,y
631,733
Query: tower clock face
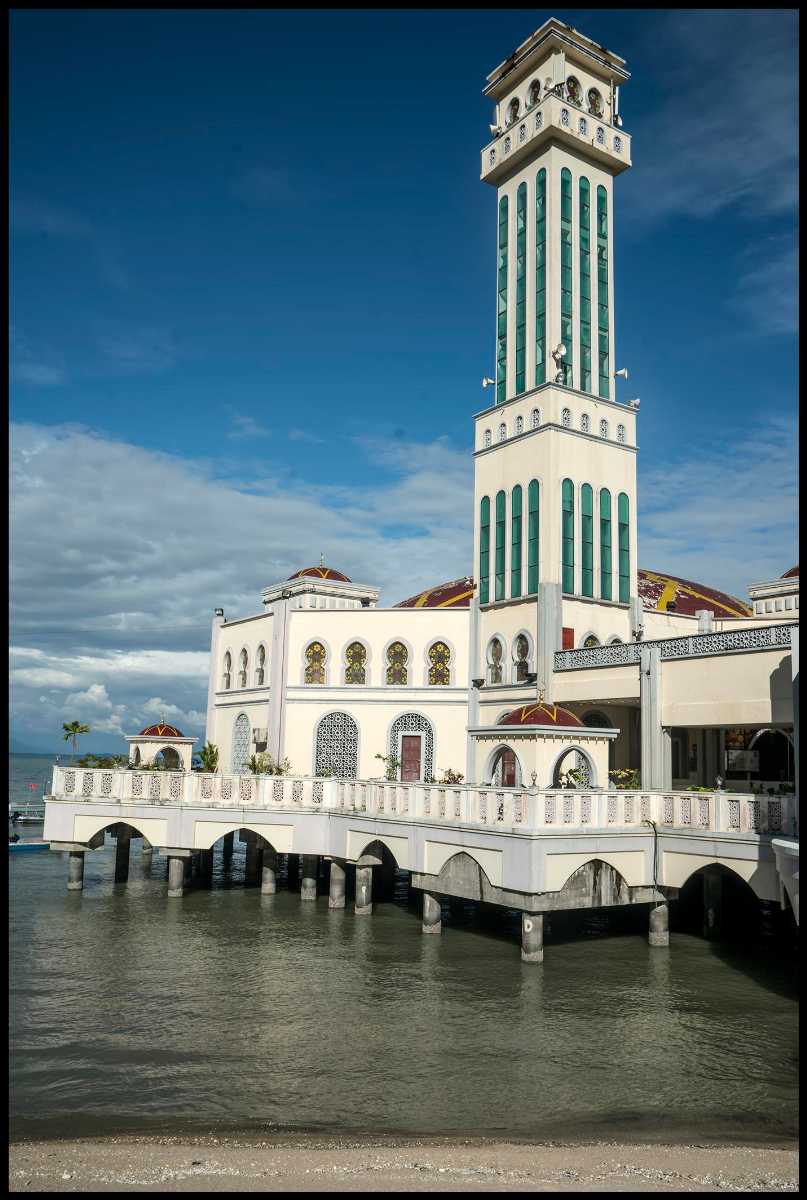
x,y
595,102
573,90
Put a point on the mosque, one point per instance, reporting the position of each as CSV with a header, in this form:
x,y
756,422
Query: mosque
x,y
557,660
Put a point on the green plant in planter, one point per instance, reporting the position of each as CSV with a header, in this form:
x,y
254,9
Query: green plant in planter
x,y
626,778
392,765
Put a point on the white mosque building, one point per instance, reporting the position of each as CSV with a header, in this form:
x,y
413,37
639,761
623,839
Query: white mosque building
x,y
557,650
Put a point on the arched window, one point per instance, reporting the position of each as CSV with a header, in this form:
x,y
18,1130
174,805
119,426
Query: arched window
x,y
495,655
515,545
615,641
243,668
605,545
602,290
600,136
501,307
505,769
623,533
567,536
535,418
603,429
260,668
532,537
585,423
540,276
618,144
501,505
620,433
522,133
397,658
226,678
240,751
534,93
566,418
574,90
439,665
508,143
519,425
595,105
521,288
502,432
417,761
566,306
315,658
336,749
585,282
564,117
582,125
590,642
513,109
488,438
521,657
596,719
587,538
355,663
484,550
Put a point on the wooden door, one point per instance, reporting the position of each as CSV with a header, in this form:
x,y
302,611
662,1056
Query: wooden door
x,y
508,768
410,757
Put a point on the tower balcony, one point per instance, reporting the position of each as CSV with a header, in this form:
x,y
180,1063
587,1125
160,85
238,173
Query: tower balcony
x,y
558,119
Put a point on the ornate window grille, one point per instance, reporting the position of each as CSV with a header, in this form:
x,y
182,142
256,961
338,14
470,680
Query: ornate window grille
x,y
600,137
618,144
591,641
397,659
620,433
414,723
603,429
355,663
491,157
495,654
315,658
337,746
508,142
582,125
564,117
539,120
585,423
566,418
502,432
240,754
522,133
488,438
535,418
439,665
522,658
519,424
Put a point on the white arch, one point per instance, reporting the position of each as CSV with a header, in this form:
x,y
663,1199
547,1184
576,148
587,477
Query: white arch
x,y
567,749
492,760
337,712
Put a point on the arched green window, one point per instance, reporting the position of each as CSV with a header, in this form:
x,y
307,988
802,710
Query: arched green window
x,y
585,286
484,550
500,535
540,277
623,533
587,540
521,287
602,291
605,545
532,537
501,307
515,543
567,536
566,272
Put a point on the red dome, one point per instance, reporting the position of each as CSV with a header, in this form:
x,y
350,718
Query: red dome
x,y
161,730
454,594
540,714
659,591
792,573
320,573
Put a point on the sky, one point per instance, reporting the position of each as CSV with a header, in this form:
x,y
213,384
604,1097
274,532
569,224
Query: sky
x,y
253,298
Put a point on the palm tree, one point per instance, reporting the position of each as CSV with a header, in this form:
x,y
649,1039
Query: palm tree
x,y
209,755
73,729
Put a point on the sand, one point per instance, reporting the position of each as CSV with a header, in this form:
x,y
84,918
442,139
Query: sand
x,y
321,1164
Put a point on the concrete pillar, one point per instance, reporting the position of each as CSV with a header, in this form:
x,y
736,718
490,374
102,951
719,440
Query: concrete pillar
x,y
269,872
176,876
227,848
656,742
336,887
659,934
75,870
364,891
432,914
122,845
251,863
712,904
308,883
532,937
550,634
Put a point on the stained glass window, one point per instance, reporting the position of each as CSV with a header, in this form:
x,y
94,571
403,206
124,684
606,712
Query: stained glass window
x,y
397,658
501,310
315,657
540,277
439,664
605,544
591,641
355,663
495,653
522,658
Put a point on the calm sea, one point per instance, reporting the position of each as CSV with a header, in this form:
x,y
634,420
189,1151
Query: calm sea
x,y
29,776
231,1011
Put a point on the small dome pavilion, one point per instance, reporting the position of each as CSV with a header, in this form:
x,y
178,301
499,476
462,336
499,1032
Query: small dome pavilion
x,y
542,745
163,743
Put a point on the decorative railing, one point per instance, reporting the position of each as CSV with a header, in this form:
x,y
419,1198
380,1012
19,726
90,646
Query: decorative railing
x,y
695,645
518,809
554,113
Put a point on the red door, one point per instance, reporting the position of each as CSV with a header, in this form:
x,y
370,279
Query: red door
x,y
508,768
410,758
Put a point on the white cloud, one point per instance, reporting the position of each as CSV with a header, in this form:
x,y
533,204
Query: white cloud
x,y
244,426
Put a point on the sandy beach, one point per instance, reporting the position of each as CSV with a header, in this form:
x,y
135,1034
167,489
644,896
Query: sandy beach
x,y
319,1164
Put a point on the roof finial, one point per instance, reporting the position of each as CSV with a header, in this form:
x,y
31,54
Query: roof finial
x,y
321,559
540,695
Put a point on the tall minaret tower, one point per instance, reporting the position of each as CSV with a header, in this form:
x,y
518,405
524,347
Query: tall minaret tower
x,y
555,453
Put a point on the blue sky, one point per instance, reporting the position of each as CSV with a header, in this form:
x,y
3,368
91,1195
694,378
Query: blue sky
x,y
252,298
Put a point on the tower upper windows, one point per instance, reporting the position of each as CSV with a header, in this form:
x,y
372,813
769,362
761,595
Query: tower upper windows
x,y
595,103
513,109
574,92
534,94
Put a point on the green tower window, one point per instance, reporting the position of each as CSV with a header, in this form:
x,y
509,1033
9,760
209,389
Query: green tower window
x,y
602,292
515,543
501,307
521,287
605,545
567,536
587,539
540,277
623,515
532,537
585,286
484,550
500,533
566,272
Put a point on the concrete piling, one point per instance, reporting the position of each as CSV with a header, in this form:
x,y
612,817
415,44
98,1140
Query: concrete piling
x,y
308,883
659,934
75,870
532,937
364,891
336,886
176,876
432,914
122,846
712,904
269,872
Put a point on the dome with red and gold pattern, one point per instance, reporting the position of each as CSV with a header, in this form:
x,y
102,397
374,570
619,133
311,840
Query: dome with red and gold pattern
x,y
541,713
320,572
161,730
